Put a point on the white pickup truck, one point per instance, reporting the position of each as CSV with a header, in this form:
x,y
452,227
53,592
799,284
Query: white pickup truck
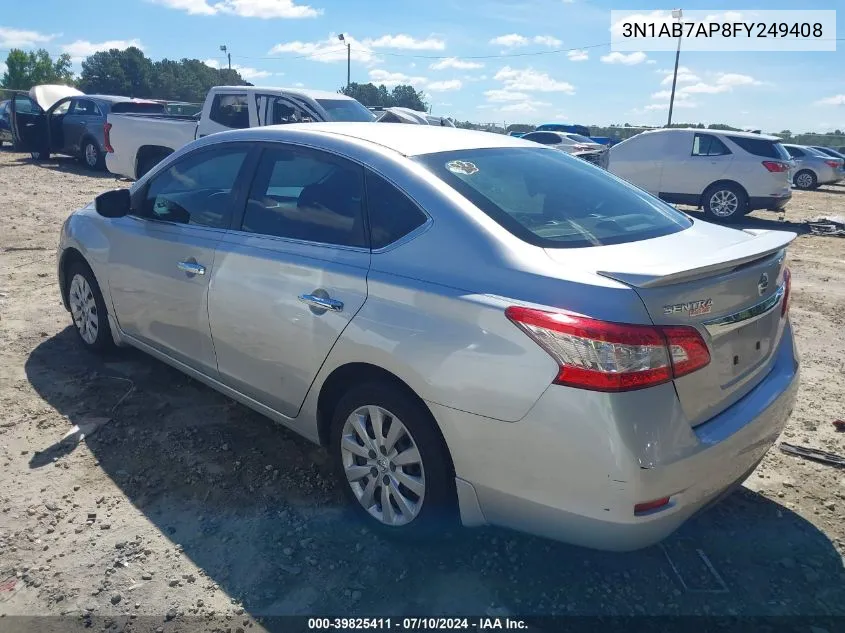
x,y
135,143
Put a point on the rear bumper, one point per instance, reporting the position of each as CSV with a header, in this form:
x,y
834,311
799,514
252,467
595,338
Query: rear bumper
x,y
576,465
772,203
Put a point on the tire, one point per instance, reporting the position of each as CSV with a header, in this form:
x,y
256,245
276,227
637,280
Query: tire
x,y
91,156
88,309
425,510
725,202
805,179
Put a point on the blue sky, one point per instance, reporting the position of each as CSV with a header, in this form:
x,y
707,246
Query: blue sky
x,y
474,60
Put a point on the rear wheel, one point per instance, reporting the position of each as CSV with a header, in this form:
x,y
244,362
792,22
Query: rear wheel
x,y
805,179
91,156
725,202
391,462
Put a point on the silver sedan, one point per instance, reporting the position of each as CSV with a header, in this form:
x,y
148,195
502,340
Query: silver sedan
x,y
479,329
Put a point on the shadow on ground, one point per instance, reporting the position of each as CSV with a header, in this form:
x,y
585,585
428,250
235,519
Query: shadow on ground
x,y
236,492
66,164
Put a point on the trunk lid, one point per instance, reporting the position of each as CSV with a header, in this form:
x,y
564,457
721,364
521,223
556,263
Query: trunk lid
x,y
726,283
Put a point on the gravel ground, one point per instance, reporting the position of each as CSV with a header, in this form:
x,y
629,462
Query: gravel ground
x,y
182,510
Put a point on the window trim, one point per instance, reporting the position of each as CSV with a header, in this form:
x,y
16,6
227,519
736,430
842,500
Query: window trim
x,y
258,149
727,152
238,204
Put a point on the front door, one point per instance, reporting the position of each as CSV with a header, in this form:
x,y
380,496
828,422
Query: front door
x,y
29,125
163,255
291,276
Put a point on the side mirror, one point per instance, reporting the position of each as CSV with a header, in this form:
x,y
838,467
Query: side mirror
x,y
113,204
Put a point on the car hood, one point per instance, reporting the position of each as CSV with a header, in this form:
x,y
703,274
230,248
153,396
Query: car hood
x,y
46,95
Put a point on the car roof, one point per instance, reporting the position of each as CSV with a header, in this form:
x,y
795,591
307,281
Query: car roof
x,y
408,140
764,137
303,92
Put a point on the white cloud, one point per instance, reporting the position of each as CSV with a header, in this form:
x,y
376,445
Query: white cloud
x,y
650,61
631,59
524,106
578,55
531,80
547,40
835,100
2,68
734,79
264,9
328,50
678,104
568,1
18,38
445,86
245,71
299,84
81,49
722,82
685,75
454,62
406,42
498,96
390,79
511,40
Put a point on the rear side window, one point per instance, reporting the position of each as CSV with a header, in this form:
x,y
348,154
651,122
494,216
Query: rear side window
x,y
392,214
550,199
761,147
795,152
708,145
230,110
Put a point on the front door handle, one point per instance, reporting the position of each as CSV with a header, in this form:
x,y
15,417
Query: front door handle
x,y
322,303
191,268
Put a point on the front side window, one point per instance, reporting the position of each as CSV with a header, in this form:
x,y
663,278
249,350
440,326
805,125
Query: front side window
x,y
276,110
197,190
549,199
62,108
230,110
708,145
392,214
307,195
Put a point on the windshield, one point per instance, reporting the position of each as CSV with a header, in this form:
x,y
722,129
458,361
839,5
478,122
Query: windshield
x,y
346,110
550,199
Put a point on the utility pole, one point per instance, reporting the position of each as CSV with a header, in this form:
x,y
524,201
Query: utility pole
x,y
677,14
348,58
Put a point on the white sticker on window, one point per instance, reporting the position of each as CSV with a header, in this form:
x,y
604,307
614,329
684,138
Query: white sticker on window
x,y
462,167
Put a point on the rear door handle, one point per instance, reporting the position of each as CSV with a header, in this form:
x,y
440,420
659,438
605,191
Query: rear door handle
x,y
322,303
191,268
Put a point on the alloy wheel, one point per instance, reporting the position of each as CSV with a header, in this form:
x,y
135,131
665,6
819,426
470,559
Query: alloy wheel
x,y
91,155
804,181
83,307
383,465
724,203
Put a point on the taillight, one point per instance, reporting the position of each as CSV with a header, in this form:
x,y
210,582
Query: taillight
x,y
107,138
787,286
604,356
648,506
833,164
775,166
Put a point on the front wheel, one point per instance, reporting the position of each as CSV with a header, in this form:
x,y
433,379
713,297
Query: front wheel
x,y
392,463
724,202
88,309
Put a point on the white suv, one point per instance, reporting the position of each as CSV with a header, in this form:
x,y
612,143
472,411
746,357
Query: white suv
x,y
728,174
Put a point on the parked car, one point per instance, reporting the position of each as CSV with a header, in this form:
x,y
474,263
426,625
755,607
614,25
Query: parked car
x,y
72,125
814,168
828,151
580,360
134,143
517,134
572,144
5,126
728,174
583,130
396,114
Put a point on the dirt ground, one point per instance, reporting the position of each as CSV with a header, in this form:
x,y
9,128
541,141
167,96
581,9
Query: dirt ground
x,y
182,510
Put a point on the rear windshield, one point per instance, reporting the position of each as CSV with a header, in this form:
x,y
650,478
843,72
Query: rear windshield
x,y
346,110
761,147
135,106
550,199
580,139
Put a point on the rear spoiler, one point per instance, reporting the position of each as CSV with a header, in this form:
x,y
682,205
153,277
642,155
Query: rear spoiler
x,y
763,244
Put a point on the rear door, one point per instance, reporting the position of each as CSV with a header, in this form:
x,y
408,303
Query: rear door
x,y
81,114
641,160
227,111
704,160
29,125
290,276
